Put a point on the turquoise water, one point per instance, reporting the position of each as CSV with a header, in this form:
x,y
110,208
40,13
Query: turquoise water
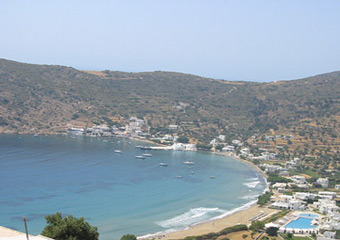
x,y
116,192
301,223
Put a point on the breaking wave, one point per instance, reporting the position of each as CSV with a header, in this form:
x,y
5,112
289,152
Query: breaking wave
x,y
252,184
193,216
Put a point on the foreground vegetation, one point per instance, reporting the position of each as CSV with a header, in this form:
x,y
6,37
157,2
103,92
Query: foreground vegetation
x,y
69,228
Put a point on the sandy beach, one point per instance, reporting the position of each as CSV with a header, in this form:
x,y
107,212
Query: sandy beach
x,y
240,217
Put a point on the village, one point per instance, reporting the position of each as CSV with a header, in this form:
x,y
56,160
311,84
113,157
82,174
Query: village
x,y
311,204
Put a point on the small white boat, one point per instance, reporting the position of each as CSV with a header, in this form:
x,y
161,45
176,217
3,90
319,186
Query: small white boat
x,y
147,155
36,135
179,176
192,172
162,164
189,162
212,177
118,151
140,157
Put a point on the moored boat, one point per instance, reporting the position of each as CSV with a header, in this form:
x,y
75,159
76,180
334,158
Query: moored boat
x,y
189,162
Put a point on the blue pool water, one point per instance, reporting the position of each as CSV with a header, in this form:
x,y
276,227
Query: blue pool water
x,y
116,192
301,223
308,215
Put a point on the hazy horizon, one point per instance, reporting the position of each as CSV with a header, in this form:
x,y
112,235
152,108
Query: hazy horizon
x,y
232,40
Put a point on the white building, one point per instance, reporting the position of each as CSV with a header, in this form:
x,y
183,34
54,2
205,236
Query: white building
x,y
327,195
327,236
245,152
236,142
173,127
323,182
168,137
297,179
184,147
228,149
214,142
326,206
222,137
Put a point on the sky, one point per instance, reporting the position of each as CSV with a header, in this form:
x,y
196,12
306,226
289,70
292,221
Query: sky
x,y
232,40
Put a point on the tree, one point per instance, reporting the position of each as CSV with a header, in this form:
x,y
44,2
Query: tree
x,y
182,139
219,147
129,237
256,226
290,235
69,228
203,146
272,231
244,236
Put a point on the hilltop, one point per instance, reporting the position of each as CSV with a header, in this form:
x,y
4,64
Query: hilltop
x,y
48,98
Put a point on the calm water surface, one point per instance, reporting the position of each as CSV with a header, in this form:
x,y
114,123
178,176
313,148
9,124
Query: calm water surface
x,y
116,192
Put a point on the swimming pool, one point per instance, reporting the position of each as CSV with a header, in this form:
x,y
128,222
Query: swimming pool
x,y
309,215
301,223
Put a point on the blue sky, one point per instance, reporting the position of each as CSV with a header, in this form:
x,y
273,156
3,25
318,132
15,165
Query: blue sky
x,y
232,40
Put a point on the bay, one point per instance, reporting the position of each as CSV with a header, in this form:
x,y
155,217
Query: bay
x,y
116,192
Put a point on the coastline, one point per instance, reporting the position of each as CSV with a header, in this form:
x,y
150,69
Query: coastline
x,y
240,215
235,216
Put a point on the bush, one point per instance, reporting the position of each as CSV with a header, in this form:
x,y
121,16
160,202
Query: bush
x,y
264,198
272,231
256,226
129,237
69,228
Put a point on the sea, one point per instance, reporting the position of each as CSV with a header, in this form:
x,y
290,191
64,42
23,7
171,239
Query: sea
x,y
117,192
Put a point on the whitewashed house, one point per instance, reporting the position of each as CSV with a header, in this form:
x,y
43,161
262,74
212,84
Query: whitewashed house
x,y
222,137
324,182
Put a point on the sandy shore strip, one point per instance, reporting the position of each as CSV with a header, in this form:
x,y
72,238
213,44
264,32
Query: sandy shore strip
x,y
240,217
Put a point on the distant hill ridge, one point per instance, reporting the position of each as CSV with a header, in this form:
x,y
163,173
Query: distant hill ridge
x,y
47,98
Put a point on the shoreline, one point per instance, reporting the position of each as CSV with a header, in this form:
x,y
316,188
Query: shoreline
x,y
239,215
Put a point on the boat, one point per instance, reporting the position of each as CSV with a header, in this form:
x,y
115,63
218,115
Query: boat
x,y
147,155
138,146
36,135
179,176
140,157
118,151
192,172
145,148
212,177
162,164
189,162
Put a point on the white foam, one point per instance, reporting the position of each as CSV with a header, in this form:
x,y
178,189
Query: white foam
x,y
243,207
252,184
189,218
250,197
253,179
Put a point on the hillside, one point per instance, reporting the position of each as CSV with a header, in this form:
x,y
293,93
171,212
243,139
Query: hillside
x,y
48,98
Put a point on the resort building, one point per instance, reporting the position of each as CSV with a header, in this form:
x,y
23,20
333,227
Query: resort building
x,y
326,206
327,195
327,236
